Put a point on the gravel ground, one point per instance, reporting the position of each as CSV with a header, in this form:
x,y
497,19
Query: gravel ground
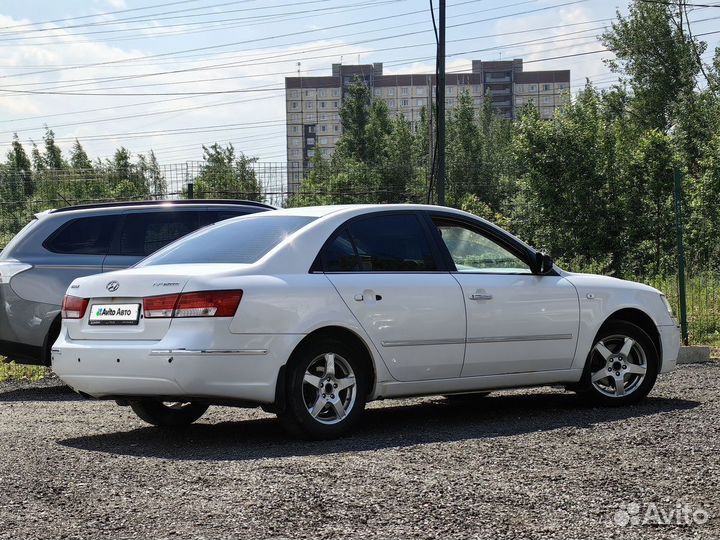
x,y
533,463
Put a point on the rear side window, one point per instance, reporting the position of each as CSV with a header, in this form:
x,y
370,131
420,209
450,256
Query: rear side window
x,y
84,236
384,243
242,241
145,233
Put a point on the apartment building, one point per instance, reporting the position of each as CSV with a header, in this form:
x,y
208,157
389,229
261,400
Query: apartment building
x,y
313,103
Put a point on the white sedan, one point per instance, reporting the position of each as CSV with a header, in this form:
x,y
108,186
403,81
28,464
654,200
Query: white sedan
x,y
312,312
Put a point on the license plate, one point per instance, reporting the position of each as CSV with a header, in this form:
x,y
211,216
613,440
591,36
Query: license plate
x,y
114,314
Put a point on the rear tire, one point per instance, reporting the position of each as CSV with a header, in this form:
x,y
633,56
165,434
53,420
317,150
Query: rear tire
x,y
159,414
326,390
621,367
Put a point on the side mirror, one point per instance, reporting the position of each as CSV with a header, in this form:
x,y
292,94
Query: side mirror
x,y
543,263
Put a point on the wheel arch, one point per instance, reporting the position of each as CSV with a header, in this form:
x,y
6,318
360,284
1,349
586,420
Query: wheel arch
x,y
340,333
52,334
640,319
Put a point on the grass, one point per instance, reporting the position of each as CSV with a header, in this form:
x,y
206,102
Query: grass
x,y
11,371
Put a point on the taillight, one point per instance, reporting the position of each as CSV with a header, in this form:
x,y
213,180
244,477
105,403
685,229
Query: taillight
x,y
74,307
194,304
157,307
208,304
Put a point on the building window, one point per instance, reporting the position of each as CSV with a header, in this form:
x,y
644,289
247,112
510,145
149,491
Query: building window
x,y
450,102
391,103
309,105
311,153
533,88
295,152
546,100
311,129
310,141
404,102
478,101
420,91
546,87
450,90
296,142
336,92
323,128
322,104
378,92
477,89
295,94
323,140
323,116
405,91
518,101
561,86
307,93
322,92
295,105
419,102
335,104
337,128
391,92
295,129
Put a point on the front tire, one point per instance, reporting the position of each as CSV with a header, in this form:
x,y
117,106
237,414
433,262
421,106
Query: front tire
x,y
326,390
622,366
161,414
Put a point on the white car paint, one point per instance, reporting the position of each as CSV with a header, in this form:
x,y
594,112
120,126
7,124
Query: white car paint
x,y
423,331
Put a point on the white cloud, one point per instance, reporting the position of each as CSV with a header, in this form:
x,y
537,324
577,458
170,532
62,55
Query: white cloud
x,y
117,4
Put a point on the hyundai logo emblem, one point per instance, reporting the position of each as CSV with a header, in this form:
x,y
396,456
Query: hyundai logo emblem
x,y
112,286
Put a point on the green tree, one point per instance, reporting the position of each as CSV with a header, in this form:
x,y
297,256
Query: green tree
x,y
227,176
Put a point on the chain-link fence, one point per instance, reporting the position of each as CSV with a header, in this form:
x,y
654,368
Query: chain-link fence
x,y
585,235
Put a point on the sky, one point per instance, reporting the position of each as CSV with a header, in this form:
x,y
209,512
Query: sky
x,y
174,75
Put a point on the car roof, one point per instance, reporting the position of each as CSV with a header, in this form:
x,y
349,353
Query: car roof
x,y
321,211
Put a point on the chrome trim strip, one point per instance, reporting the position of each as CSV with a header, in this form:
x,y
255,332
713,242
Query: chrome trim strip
x,y
207,352
506,339
460,341
416,342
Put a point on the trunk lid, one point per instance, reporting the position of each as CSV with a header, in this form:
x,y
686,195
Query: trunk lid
x,y
126,290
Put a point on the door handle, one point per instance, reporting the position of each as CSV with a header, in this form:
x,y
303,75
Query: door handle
x,y
481,296
359,297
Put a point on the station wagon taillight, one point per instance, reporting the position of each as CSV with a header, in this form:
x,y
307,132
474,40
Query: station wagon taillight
x,y
192,304
74,307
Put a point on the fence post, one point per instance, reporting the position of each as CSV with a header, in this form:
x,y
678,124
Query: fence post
x,y
189,190
681,256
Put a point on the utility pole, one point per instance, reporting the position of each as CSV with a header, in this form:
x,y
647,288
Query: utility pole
x,y
441,107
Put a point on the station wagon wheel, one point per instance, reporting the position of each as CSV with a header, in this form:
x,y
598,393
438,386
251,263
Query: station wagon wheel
x,y
326,390
168,414
622,365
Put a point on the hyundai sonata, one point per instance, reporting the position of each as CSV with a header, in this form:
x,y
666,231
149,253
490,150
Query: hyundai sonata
x,y
312,312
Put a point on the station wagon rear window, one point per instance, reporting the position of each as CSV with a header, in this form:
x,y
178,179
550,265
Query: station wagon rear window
x,y
243,241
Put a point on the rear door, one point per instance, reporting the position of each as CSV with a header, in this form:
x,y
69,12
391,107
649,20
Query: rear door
x,y
389,274
144,232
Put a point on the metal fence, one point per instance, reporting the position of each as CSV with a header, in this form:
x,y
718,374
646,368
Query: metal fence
x,y
22,194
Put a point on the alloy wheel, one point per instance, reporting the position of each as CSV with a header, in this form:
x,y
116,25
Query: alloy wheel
x,y
329,388
618,367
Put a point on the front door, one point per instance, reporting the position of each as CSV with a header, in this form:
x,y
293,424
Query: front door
x,y
517,321
387,274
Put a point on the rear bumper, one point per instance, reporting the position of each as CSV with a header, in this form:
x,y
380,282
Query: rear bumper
x,y
670,340
245,370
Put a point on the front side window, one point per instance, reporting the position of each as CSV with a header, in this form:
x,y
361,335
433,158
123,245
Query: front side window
x,y
84,236
384,243
473,252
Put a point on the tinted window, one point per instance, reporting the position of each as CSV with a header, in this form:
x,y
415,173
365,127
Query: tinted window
x,y
389,243
340,255
84,236
214,216
474,252
145,233
243,241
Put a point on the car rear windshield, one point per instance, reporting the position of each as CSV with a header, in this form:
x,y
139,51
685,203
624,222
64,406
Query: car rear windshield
x,y
244,240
